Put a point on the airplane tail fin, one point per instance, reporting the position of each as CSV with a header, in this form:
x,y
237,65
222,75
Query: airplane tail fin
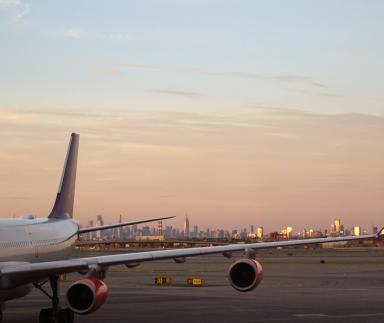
x,y
63,207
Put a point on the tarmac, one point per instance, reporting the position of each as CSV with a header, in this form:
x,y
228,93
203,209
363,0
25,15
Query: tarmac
x,y
299,286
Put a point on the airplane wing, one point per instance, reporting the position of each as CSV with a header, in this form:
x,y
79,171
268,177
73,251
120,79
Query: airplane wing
x,y
118,225
36,271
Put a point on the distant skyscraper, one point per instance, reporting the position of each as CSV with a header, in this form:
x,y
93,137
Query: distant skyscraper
x,y
92,235
252,228
289,232
260,232
356,231
337,225
146,231
134,231
186,227
100,222
160,228
118,231
304,233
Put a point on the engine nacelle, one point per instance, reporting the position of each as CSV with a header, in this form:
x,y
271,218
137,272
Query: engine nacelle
x,y
86,295
245,274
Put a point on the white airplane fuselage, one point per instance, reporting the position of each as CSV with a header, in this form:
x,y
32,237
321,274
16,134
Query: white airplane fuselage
x,y
36,240
31,241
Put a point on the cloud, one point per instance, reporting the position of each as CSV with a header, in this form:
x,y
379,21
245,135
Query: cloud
x,y
216,164
292,78
119,66
77,33
20,8
185,94
14,198
265,121
283,135
73,33
118,37
9,3
282,78
66,113
23,11
330,95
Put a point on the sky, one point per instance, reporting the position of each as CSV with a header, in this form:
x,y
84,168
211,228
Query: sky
x,y
238,112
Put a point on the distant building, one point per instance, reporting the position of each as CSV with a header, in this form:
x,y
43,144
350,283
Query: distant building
x,y
260,232
92,235
337,229
342,230
168,231
289,232
160,228
150,238
356,231
304,234
348,232
99,223
134,231
120,230
337,225
146,231
186,227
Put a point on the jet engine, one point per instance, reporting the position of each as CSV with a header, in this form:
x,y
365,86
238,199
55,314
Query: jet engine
x,y
86,295
245,274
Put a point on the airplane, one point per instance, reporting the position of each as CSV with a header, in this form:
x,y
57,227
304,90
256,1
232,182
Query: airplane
x,y
34,252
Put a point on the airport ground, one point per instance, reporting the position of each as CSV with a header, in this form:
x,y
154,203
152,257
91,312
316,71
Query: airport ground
x,y
299,286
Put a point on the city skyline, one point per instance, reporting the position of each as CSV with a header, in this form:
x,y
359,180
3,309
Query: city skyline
x,y
335,228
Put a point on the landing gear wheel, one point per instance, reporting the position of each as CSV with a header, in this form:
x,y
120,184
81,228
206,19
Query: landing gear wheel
x,y
55,314
1,311
46,316
65,316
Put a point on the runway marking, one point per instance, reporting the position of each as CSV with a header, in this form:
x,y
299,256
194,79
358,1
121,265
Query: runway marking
x,y
311,315
156,271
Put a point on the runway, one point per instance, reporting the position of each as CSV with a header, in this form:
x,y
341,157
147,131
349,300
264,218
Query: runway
x,y
297,287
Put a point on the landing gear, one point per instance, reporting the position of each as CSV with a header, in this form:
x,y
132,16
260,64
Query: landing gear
x,y
64,315
54,314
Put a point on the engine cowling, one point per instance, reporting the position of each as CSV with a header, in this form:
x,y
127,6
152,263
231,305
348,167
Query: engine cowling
x,y
86,295
245,274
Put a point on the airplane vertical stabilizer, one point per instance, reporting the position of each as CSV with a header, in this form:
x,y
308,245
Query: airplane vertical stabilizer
x,y
63,207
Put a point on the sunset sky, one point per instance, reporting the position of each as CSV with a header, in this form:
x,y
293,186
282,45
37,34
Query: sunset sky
x,y
239,112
